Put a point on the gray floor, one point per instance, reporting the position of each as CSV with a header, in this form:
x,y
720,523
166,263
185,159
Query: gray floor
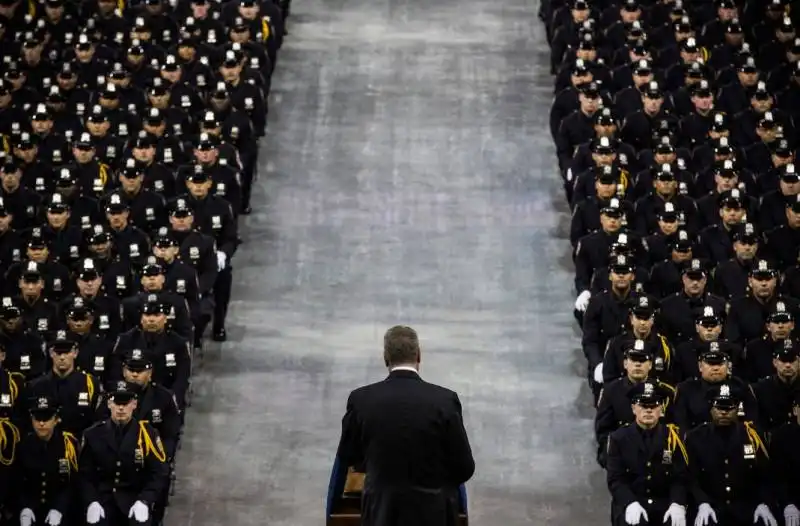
x,y
408,178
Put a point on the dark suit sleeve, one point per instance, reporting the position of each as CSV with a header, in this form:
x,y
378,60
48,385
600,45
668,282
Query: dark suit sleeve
x,y
617,474
350,452
461,463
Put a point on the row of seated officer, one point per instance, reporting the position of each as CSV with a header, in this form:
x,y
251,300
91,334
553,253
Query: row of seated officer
x,y
675,127
130,135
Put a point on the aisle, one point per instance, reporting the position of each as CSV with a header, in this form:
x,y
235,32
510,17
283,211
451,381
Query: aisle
x,y
407,179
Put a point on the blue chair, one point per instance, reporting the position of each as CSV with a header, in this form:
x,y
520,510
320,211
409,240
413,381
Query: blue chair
x,y
341,510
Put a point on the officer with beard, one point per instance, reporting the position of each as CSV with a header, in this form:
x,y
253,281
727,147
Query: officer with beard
x,y
46,467
758,353
776,393
647,474
614,406
123,465
730,277
691,398
748,314
76,391
729,464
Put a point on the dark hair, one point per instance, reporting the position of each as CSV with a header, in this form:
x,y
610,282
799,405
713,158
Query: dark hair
x,y
400,346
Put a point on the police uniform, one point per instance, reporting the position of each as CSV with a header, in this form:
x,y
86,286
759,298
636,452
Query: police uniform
x,y
75,391
47,470
776,393
729,465
123,468
647,468
786,465
39,313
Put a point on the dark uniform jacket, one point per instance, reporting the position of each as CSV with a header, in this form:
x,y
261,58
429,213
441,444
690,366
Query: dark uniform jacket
x,y
120,466
409,436
775,401
693,408
47,473
729,470
76,393
648,467
786,470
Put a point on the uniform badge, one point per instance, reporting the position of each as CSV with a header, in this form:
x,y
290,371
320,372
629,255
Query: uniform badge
x,y
5,400
57,285
63,466
25,362
42,324
194,253
134,250
86,222
666,457
104,323
120,282
659,363
740,412
73,251
249,105
39,184
30,211
216,222
180,286
168,155
16,256
159,186
138,456
156,414
149,214
220,189
170,359
749,451
83,399
99,363
97,186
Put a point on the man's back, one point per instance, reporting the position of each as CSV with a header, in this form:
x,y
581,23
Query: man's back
x,y
406,432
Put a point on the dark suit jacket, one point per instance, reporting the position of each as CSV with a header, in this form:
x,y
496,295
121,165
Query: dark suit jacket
x,y
409,437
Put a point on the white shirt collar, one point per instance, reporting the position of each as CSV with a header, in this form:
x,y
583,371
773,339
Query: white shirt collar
x,y
403,368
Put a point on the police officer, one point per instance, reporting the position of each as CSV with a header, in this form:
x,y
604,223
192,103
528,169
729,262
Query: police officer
x,y
759,352
76,391
729,465
106,309
647,465
691,398
56,276
214,216
730,277
131,242
25,349
147,208
93,348
152,281
11,383
171,354
776,394
122,464
708,328
39,313
46,468
680,310
614,406
115,273
786,465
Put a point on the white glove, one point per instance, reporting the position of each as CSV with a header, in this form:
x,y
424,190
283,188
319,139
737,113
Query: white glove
x,y
222,258
791,515
634,513
598,373
95,513
676,515
763,513
139,511
705,513
583,301
53,518
26,517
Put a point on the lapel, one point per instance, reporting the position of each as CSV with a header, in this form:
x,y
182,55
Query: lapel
x,y
110,436
145,404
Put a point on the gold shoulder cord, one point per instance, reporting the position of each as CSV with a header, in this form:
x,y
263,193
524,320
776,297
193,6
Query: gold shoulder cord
x,y
103,172
665,348
8,433
69,450
13,387
674,442
623,180
755,440
32,8
89,385
146,444
264,29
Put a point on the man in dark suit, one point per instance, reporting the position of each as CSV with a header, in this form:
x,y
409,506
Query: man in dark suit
x,y
409,438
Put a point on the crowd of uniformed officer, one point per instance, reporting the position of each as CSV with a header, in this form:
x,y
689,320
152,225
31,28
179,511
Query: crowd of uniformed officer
x,y
674,123
129,143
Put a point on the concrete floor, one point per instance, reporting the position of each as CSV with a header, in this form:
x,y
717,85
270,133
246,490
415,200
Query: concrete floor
x,y
407,178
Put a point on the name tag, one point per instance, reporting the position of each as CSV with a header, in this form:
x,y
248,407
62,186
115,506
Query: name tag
x,y
99,363
25,362
83,399
5,400
156,416
749,451
104,323
666,457
63,466
170,359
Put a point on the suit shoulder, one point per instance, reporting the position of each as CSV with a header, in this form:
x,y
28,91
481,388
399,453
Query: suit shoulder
x,y
698,431
94,429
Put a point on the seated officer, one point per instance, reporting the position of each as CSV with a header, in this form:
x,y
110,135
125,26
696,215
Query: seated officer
x,y
170,352
783,446
156,403
614,405
691,397
46,467
647,462
730,277
24,348
729,464
122,464
759,352
642,319
776,393
680,310
75,391
708,328
93,349
666,273
152,282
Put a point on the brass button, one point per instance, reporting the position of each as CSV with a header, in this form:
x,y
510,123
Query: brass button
x,y
649,501
728,489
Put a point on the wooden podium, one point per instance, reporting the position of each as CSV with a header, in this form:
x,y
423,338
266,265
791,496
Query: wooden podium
x,y
344,498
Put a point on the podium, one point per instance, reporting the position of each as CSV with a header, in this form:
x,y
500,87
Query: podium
x,y
343,507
